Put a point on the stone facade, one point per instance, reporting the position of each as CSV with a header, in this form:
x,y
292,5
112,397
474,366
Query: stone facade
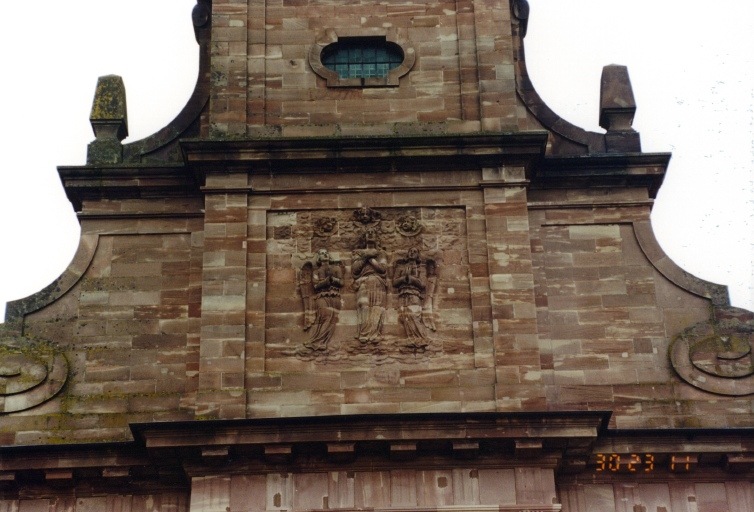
x,y
424,292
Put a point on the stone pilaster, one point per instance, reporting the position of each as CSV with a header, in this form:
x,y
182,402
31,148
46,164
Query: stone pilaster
x,y
467,60
229,68
497,88
514,318
223,332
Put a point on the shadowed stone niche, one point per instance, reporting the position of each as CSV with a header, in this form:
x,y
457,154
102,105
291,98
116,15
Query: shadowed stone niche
x,y
716,355
378,285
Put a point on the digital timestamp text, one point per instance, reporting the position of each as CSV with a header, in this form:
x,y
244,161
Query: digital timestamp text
x,y
641,463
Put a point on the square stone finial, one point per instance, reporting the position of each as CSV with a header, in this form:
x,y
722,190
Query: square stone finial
x,y
617,109
109,121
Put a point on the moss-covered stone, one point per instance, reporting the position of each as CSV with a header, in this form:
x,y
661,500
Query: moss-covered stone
x,y
109,120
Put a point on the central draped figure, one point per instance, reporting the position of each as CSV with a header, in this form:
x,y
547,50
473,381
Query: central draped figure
x,y
369,268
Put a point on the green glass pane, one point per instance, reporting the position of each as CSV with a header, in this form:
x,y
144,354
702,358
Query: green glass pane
x,y
362,57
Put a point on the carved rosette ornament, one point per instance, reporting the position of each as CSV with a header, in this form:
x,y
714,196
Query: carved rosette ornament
x,y
716,355
31,372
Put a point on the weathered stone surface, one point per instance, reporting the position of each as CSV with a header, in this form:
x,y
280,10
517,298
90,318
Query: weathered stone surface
x,y
410,296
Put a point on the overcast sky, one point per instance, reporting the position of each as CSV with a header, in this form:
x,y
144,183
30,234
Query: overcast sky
x,y
690,63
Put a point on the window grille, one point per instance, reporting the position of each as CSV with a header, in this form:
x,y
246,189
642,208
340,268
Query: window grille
x,y
362,57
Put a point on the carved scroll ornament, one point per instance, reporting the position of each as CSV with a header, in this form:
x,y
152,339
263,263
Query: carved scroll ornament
x,y
31,372
716,355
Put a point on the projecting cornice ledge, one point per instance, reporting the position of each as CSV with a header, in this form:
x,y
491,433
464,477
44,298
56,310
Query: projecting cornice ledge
x,y
125,181
621,170
351,154
547,439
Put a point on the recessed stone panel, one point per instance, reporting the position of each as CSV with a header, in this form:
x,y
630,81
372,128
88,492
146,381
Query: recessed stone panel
x,y
369,286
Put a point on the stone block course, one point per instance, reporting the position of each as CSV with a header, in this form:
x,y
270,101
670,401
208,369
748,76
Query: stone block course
x,y
547,295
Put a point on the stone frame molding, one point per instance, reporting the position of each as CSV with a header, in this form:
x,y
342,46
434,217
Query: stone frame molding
x,y
332,36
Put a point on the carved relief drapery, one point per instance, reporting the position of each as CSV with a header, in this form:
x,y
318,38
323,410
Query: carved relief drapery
x,y
415,279
369,268
320,285
382,305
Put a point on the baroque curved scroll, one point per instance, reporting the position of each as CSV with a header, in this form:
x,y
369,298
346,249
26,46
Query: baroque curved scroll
x,y
716,355
31,373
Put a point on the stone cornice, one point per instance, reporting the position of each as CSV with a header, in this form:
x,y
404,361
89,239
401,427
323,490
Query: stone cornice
x,y
383,428
343,154
624,170
126,181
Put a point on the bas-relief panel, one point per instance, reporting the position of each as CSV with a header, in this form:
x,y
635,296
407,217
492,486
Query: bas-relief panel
x,y
368,285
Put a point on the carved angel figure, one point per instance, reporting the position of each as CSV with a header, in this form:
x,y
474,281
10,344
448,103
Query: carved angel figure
x,y
320,285
369,269
415,279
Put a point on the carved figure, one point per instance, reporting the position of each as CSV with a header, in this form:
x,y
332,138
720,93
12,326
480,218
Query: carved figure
x,y
320,286
366,215
369,269
408,225
325,226
415,279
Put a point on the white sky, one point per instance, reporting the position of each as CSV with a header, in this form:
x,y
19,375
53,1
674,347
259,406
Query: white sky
x,y
690,63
